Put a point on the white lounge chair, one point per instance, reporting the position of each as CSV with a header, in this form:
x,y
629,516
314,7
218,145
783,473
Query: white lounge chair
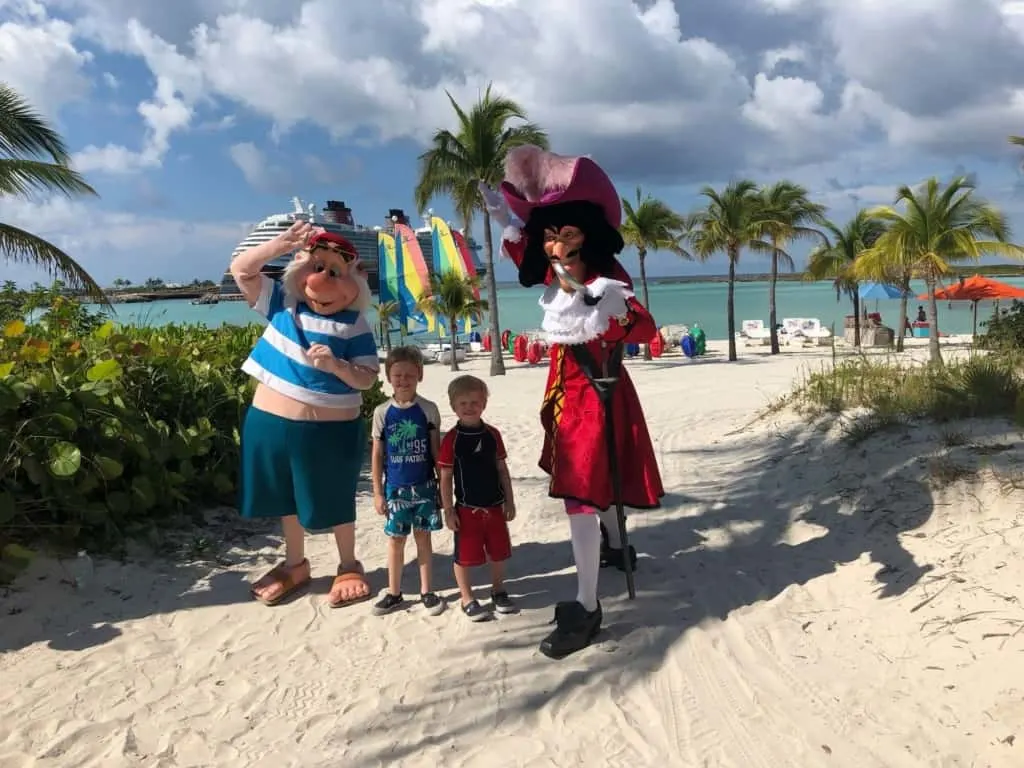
x,y
444,356
814,331
755,332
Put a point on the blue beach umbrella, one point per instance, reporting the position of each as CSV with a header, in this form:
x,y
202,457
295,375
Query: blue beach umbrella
x,y
878,291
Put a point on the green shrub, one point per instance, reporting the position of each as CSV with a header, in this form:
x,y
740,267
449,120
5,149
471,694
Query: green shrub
x,y
111,432
981,385
1004,330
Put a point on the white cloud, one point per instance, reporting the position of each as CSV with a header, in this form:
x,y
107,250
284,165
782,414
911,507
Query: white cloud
x,y
112,244
39,59
639,87
259,173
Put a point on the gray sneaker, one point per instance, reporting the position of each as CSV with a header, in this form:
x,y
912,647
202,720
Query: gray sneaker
x,y
387,604
475,612
503,603
433,603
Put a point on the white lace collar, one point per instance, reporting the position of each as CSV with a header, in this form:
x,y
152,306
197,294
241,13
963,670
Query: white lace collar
x,y
568,319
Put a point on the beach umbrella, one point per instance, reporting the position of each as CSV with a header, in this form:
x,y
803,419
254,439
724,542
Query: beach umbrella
x,y
975,289
878,291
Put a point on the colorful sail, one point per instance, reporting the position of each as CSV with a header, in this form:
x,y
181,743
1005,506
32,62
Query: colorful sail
x,y
387,267
414,267
451,254
468,262
394,284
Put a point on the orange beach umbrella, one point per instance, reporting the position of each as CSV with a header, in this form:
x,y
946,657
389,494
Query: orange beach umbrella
x,y
975,289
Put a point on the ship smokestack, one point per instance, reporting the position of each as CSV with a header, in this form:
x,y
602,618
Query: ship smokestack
x,y
397,216
336,212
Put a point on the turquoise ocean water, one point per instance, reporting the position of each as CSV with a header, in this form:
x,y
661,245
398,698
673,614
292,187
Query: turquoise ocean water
x,y
671,303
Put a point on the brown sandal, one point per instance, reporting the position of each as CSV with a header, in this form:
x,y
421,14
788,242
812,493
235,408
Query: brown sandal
x,y
349,588
282,576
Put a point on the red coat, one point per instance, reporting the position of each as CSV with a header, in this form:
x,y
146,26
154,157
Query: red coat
x,y
572,415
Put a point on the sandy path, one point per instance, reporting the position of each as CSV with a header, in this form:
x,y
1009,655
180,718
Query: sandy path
x,y
781,620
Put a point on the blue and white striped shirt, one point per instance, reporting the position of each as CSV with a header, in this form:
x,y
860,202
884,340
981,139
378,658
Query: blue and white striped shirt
x,y
279,358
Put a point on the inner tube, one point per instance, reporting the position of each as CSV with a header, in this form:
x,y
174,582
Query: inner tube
x,y
519,348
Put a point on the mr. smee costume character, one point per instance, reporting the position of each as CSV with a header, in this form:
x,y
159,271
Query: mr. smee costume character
x,y
303,438
566,215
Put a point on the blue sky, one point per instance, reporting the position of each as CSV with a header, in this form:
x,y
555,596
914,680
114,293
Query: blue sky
x,y
194,120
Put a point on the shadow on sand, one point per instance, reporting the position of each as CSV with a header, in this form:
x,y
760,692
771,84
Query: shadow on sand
x,y
801,474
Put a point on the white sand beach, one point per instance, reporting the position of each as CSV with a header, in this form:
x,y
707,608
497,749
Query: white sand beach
x,y
801,603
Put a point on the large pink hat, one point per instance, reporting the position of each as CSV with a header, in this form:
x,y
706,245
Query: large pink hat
x,y
535,178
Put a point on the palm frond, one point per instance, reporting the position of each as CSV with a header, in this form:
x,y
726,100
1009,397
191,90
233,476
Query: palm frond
x,y
17,245
25,177
23,131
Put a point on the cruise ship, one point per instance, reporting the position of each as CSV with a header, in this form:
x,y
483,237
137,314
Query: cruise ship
x,y
335,217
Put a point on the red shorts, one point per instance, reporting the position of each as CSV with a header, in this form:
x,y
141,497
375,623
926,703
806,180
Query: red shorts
x,y
482,536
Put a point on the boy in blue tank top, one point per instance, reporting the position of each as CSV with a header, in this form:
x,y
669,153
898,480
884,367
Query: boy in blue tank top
x,y
406,438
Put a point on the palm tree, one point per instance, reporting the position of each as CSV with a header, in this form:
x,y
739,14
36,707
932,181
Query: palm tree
x,y
385,311
33,159
836,259
939,226
787,211
456,163
732,221
652,226
452,297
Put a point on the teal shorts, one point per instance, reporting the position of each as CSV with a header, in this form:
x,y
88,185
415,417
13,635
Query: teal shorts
x,y
309,469
412,508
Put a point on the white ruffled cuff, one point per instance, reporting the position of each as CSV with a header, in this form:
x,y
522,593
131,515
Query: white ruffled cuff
x,y
512,233
568,319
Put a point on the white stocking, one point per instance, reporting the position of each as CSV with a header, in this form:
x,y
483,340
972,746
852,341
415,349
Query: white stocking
x,y
586,550
610,518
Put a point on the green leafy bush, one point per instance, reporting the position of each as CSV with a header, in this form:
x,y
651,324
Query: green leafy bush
x,y
1005,329
979,386
111,432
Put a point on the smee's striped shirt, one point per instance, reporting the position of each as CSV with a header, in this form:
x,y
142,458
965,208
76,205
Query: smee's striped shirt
x,y
279,358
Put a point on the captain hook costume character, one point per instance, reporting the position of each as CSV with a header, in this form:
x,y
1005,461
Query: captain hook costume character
x,y
563,233
303,438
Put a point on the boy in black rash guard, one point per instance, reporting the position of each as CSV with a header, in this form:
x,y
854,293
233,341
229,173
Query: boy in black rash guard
x,y
476,492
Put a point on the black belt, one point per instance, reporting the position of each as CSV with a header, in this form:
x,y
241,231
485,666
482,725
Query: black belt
x,y
595,371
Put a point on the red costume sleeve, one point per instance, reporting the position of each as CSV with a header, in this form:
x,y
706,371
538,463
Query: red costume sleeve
x,y
446,456
639,327
515,250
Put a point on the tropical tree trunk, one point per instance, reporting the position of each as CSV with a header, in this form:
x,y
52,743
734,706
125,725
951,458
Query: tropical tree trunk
x,y
934,351
497,363
772,313
856,320
642,254
902,324
451,337
729,306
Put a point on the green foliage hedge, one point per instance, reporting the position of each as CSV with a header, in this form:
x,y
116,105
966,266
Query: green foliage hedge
x,y
110,432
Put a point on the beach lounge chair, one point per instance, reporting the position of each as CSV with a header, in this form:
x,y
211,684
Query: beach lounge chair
x,y
755,332
814,331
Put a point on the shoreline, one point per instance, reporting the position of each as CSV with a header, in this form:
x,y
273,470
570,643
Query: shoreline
x,y
1005,271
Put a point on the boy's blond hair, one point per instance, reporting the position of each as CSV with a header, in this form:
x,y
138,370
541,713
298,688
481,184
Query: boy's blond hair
x,y
466,385
406,354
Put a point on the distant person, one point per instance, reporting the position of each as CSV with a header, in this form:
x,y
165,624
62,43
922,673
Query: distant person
x,y
406,441
921,316
476,491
